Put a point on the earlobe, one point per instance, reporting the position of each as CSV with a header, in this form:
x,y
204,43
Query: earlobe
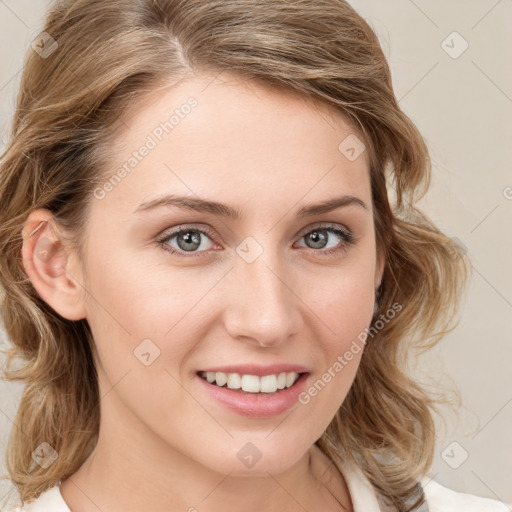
x,y
49,266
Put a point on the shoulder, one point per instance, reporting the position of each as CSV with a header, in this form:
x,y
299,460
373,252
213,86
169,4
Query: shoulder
x,y
442,499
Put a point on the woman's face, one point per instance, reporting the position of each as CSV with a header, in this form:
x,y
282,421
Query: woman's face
x,y
269,287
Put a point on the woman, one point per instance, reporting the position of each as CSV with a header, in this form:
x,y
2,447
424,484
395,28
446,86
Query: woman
x,y
204,273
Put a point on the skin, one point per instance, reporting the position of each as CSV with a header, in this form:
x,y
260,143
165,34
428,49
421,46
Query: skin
x,y
267,153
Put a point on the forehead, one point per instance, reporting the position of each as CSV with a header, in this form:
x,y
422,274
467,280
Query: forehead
x,y
236,139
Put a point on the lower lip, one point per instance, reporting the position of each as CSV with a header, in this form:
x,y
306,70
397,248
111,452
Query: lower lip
x,y
257,404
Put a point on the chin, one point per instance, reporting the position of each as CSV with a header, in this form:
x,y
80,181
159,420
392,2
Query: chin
x,y
259,458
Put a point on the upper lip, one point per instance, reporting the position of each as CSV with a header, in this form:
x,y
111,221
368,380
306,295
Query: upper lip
x,y
254,369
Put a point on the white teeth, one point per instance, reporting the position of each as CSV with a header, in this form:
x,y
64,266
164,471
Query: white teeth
x,y
290,379
234,381
281,381
221,378
269,384
252,383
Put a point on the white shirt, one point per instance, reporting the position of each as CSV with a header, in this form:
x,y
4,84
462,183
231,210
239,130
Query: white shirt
x,y
363,495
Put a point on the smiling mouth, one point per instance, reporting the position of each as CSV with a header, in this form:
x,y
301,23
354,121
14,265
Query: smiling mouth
x,y
253,384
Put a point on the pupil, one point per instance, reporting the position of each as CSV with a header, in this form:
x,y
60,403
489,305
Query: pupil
x,y
318,237
189,239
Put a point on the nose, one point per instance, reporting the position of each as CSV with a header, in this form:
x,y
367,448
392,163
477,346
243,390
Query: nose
x,y
263,306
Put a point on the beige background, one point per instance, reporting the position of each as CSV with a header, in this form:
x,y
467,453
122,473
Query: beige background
x,y
463,106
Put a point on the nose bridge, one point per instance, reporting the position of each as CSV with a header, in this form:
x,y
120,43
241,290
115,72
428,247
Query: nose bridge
x,y
262,307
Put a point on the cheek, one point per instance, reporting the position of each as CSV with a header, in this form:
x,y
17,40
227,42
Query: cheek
x,y
345,309
343,299
138,300
143,315
347,306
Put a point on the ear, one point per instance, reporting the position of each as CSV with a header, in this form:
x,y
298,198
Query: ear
x,y
53,270
379,268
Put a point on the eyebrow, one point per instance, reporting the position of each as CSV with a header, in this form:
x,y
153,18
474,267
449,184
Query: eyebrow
x,y
224,210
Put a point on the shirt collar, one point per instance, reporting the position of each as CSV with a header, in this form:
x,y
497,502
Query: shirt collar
x,y
362,493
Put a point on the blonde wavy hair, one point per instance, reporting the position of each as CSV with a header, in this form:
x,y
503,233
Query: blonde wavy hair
x,y
109,55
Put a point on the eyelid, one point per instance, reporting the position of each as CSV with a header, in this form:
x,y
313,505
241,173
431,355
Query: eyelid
x,y
350,238
172,232
325,225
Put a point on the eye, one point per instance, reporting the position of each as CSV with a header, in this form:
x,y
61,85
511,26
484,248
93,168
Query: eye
x,y
186,239
322,238
192,240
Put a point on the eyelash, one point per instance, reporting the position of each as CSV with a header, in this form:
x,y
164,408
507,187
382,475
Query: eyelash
x,y
347,236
